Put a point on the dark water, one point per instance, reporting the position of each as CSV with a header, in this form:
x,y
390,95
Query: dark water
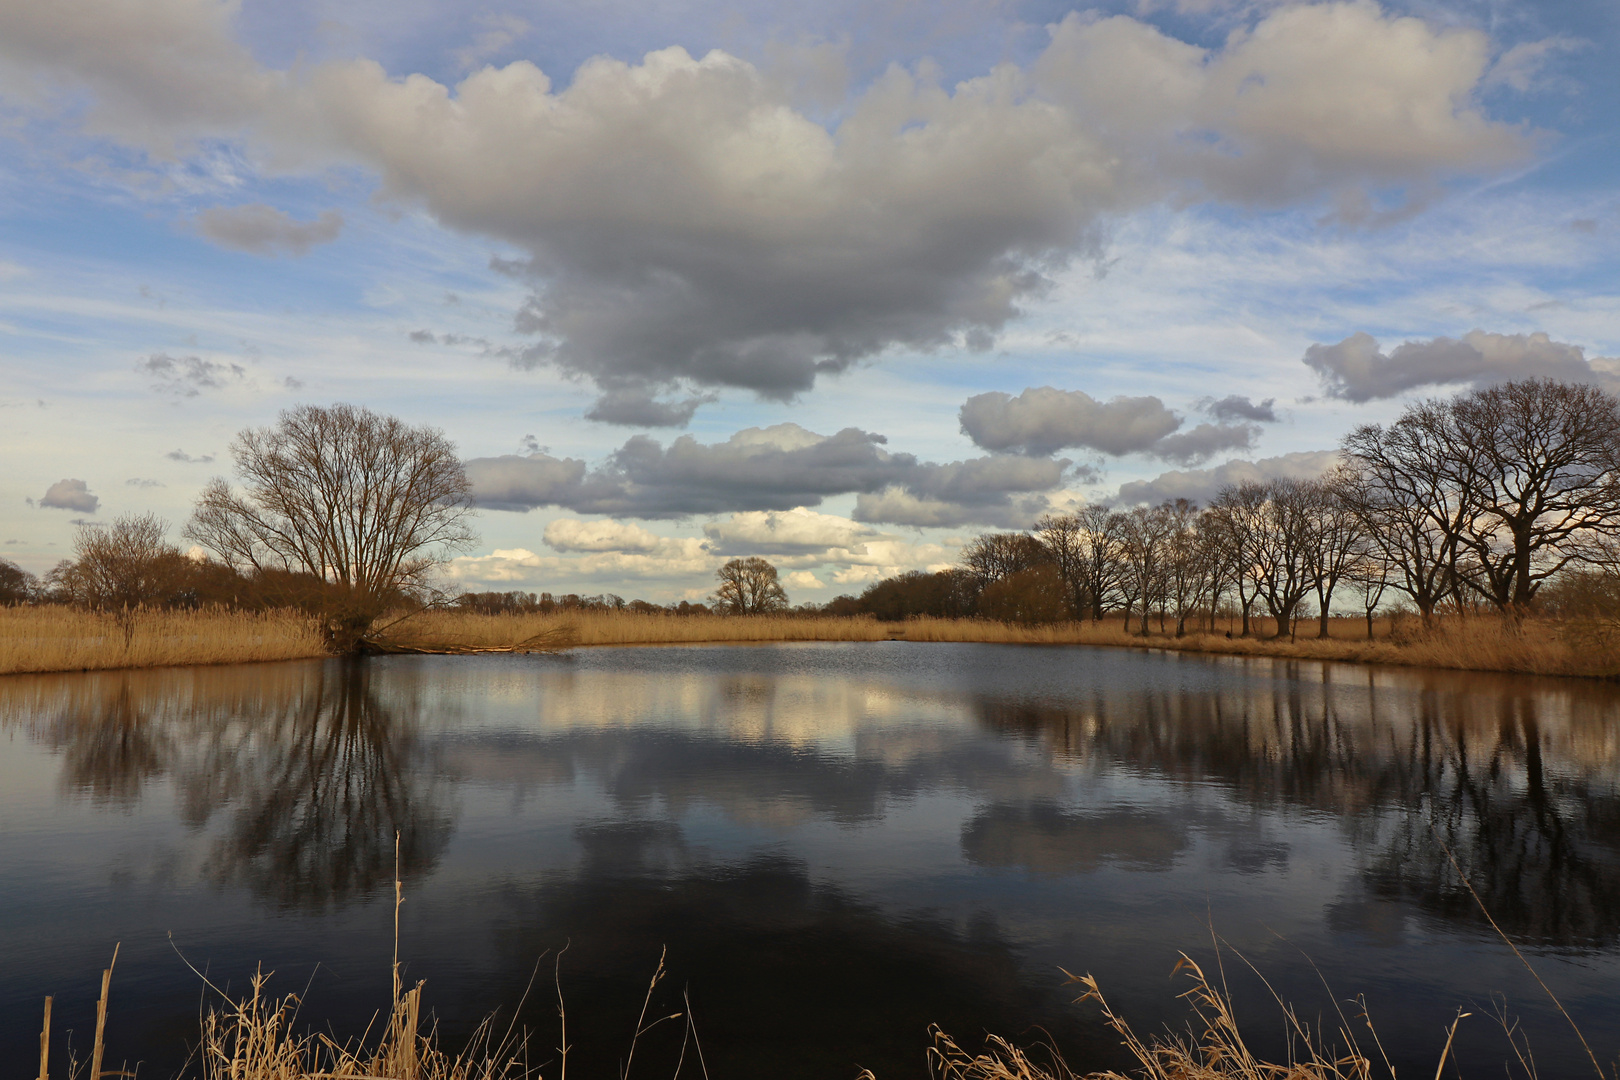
x,y
836,845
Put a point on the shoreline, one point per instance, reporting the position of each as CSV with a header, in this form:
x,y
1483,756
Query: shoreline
x,y
60,640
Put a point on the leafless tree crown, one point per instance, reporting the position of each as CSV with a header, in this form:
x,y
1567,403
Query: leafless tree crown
x,y
749,587
362,500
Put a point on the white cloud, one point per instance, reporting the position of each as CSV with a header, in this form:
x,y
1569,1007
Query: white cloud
x,y
795,532
804,579
685,223
568,534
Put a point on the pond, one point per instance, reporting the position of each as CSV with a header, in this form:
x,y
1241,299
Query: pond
x,y
832,846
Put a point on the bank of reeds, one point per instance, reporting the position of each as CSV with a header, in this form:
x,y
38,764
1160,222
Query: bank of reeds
x,y
57,638
627,628
1473,643
65,639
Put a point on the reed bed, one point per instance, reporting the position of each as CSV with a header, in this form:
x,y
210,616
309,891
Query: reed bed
x,y
65,639
626,628
34,639
1476,643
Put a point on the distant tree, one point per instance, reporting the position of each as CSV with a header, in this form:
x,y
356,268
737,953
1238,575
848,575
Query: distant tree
x,y
1035,595
947,594
749,587
994,556
364,502
17,586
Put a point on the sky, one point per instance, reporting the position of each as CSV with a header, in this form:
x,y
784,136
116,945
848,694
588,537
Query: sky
x,y
841,285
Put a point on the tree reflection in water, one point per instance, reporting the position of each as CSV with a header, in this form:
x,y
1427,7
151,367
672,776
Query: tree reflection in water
x,y
315,773
1529,806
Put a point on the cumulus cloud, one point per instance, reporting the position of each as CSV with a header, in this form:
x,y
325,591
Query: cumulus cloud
x,y
141,482
263,230
1043,420
1201,485
759,469
568,534
685,223
637,407
786,532
1238,407
1356,370
673,560
804,579
188,376
70,495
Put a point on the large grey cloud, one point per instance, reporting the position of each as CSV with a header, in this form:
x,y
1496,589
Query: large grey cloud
x,y
70,495
685,223
1355,369
1201,485
1043,420
263,230
776,468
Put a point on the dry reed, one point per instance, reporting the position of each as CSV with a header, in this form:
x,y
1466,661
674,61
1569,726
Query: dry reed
x,y
1213,1048
628,628
68,639
64,639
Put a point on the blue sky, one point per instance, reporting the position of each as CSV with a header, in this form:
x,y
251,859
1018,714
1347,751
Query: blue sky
x,y
838,284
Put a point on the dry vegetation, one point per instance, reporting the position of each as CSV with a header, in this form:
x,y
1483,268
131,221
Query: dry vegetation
x,y
60,638
258,1038
65,639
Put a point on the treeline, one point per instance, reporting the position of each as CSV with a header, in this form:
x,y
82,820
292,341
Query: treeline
x,y
1504,499
129,564
528,603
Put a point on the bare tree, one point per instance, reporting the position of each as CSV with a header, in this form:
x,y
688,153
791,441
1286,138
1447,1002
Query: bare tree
x,y
1339,540
1275,532
749,587
1146,535
1233,521
122,566
363,502
1545,477
1402,488
1187,570
1102,535
995,556
1064,537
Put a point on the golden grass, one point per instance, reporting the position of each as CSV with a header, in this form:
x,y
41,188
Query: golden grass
x,y
1474,643
1213,1048
627,628
63,639
66,639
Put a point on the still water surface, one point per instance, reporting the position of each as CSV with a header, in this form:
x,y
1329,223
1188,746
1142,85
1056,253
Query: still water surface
x,y
836,844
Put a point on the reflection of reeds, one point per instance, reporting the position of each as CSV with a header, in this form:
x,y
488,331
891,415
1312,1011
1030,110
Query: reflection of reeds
x,y
67,639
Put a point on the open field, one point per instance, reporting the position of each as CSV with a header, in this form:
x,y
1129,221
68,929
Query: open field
x,y
63,639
